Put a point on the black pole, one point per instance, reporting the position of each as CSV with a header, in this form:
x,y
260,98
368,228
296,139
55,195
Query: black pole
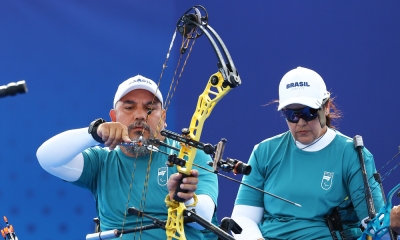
x,y
206,224
358,144
132,230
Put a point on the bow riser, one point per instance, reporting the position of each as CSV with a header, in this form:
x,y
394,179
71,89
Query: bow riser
x,y
206,103
174,224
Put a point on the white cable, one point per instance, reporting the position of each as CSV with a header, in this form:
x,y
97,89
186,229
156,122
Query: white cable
x,y
170,45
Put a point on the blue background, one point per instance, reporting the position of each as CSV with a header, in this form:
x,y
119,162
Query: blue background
x,y
74,54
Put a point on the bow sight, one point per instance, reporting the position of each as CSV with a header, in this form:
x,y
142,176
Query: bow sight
x,y
228,165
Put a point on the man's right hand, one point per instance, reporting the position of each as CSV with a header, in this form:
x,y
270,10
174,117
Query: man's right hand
x,y
113,133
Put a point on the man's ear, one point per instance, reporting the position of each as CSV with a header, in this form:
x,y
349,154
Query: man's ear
x,y
113,115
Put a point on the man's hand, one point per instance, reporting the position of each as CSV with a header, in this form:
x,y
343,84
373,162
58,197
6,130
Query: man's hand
x,y
395,219
113,133
189,183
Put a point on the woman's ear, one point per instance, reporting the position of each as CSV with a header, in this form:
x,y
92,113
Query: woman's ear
x,y
327,108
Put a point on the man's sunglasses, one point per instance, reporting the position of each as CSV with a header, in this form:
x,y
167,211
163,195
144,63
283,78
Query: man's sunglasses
x,y
294,115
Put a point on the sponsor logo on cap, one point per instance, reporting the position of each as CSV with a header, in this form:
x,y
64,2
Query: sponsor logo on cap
x,y
297,84
141,81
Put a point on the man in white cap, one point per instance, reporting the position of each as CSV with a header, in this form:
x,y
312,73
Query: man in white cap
x,y
107,172
311,164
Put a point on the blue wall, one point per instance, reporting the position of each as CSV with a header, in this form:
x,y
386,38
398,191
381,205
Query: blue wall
x,y
73,54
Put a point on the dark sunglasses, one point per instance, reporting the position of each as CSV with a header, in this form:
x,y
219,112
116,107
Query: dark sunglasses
x,y
294,115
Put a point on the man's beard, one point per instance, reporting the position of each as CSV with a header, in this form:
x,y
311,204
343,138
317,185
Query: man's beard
x,y
138,150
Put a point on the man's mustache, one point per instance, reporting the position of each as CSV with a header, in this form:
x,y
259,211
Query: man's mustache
x,y
142,124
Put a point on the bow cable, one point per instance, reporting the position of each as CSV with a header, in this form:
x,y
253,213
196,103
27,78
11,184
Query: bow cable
x,y
377,184
160,122
348,197
134,168
177,81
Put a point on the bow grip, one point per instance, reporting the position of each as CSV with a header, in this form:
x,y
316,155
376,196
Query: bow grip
x,y
179,189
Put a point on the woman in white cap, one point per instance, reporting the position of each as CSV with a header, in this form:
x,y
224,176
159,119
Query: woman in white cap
x,y
312,164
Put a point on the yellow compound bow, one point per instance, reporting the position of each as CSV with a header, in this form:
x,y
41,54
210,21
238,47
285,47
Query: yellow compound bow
x,y
217,87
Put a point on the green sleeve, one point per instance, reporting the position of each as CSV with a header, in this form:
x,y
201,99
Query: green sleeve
x,y
356,184
91,169
246,195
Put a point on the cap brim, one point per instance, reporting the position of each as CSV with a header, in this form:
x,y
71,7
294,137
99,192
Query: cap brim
x,y
307,101
144,87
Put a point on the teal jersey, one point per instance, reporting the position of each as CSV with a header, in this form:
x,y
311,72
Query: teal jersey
x,y
107,174
318,181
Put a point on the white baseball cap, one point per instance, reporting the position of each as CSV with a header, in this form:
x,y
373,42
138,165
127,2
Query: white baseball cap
x,y
137,82
302,86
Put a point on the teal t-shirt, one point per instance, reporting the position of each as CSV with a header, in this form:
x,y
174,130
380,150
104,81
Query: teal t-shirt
x,y
318,181
107,174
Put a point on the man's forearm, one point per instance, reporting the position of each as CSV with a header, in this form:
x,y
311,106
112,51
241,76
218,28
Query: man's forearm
x,y
61,154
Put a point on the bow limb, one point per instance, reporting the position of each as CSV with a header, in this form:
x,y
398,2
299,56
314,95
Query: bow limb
x,y
380,224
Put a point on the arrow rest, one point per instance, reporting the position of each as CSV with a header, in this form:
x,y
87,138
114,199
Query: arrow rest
x,y
174,160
